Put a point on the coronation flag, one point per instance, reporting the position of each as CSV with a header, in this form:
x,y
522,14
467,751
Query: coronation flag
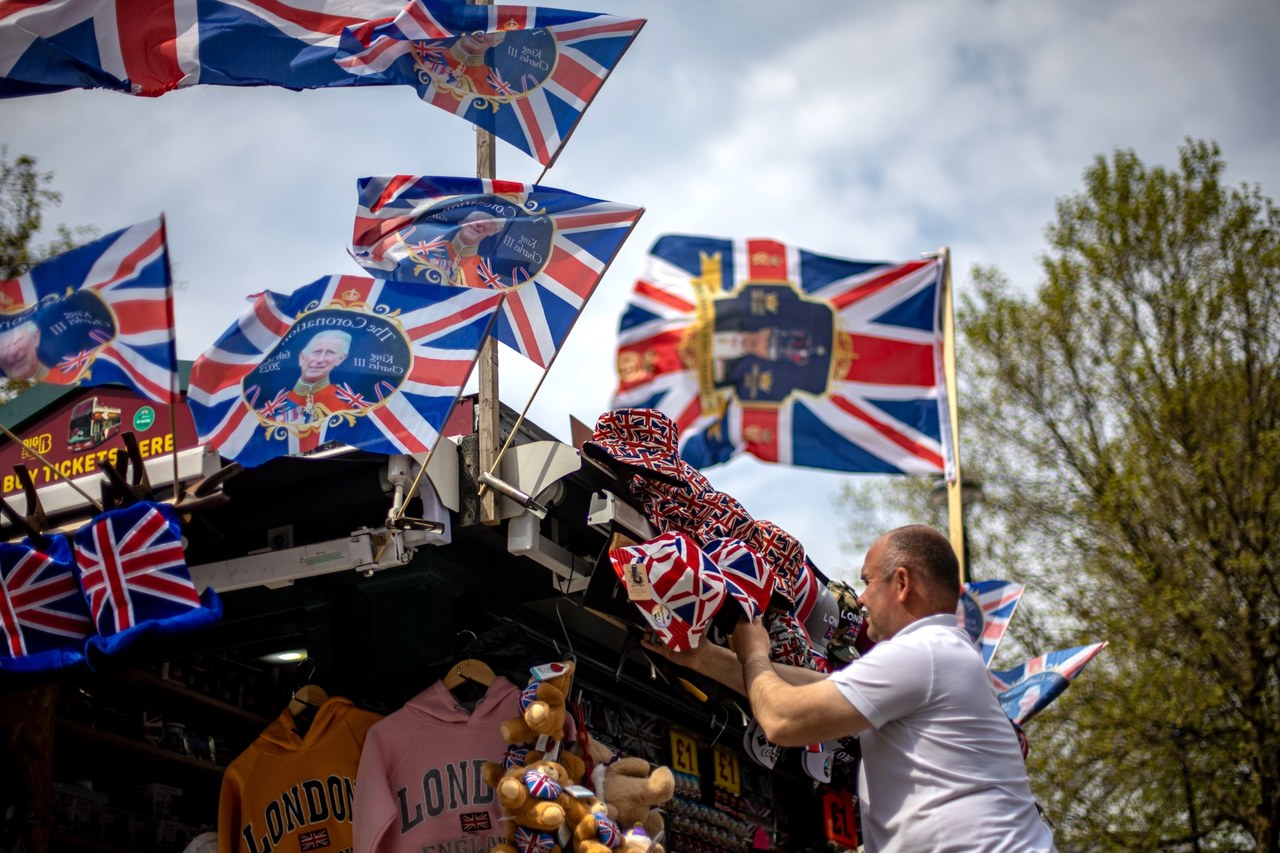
x,y
758,347
43,617
1028,688
984,611
523,73
373,364
550,245
149,48
99,314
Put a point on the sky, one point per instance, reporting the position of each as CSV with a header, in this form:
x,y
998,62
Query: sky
x,y
867,130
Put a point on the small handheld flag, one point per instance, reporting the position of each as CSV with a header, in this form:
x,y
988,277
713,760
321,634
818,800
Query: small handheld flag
x,y
1027,689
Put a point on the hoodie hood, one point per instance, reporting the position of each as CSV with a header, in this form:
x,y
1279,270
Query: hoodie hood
x,y
437,706
282,735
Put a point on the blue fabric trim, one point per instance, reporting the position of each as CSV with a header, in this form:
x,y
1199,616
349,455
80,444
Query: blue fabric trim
x,y
99,648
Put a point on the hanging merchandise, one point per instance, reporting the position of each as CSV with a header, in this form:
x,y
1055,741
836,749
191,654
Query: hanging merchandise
x,y
44,621
420,784
525,74
291,790
632,790
984,611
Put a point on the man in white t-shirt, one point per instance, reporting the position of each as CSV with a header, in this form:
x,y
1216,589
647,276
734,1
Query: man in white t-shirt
x,y
941,766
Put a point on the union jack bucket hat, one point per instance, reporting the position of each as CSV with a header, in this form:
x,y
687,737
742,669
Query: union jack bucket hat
x,y
674,584
746,575
724,518
783,553
638,441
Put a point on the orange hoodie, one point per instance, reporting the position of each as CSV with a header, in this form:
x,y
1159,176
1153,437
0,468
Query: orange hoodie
x,y
293,792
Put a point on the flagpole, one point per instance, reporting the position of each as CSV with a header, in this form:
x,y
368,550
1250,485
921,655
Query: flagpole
x,y
488,415
173,354
955,506
49,465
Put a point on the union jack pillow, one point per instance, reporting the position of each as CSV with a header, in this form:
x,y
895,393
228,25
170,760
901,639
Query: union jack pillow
x,y
134,575
43,618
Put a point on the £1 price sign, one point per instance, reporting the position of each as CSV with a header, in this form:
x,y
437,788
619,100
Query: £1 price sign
x,y
728,775
841,822
684,753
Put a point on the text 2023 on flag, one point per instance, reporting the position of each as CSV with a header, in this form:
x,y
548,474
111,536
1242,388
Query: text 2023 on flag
x,y
1028,688
373,364
523,73
805,359
984,611
99,314
552,246
151,48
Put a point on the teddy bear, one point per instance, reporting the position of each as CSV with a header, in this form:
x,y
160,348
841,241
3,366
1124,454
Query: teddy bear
x,y
533,797
542,706
631,792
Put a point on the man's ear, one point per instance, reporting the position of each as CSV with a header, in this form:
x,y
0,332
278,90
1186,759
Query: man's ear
x,y
901,580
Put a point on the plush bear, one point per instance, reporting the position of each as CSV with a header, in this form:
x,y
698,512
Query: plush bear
x,y
631,792
533,797
542,707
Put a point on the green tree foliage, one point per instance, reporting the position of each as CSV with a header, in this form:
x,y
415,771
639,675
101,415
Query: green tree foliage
x,y
1126,416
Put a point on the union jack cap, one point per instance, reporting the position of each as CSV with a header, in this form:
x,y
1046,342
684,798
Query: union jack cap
x,y
640,441
684,589
746,575
783,552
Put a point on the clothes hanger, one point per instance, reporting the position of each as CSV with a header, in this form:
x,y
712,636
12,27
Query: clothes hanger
x,y
306,700
468,669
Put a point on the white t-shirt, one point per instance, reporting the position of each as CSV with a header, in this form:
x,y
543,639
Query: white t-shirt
x,y
941,767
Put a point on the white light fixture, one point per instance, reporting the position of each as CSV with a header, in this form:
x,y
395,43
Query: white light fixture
x,y
286,656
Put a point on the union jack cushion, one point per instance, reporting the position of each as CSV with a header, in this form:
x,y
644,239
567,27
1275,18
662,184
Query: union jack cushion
x,y
43,617
134,575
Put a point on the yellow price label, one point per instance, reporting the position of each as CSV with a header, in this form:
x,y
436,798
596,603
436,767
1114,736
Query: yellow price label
x,y
728,775
684,753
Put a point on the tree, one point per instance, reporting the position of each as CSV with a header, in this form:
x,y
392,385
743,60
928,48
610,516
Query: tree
x,y
1127,416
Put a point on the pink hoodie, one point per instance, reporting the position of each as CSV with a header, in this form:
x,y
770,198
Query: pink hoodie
x,y
420,788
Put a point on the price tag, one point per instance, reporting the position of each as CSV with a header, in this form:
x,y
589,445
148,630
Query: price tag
x,y
727,771
684,753
838,814
638,588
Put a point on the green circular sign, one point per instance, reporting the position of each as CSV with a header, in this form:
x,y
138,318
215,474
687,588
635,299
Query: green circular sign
x,y
144,418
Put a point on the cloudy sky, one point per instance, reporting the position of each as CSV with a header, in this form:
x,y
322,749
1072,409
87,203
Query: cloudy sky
x,y
868,130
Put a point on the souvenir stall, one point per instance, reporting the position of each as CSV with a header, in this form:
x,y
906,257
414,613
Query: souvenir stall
x,y
381,688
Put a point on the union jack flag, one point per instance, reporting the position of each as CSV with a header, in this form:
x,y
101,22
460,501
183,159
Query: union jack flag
x,y
569,55
317,839
155,47
410,346
758,347
43,617
101,314
541,786
475,821
533,841
984,611
556,245
134,575
1028,688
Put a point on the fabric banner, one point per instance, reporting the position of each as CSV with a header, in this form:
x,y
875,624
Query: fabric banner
x,y
524,74
44,620
753,346
149,48
551,245
373,364
100,314
1028,688
984,611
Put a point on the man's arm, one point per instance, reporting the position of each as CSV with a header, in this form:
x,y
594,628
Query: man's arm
x,y
721,665
791,714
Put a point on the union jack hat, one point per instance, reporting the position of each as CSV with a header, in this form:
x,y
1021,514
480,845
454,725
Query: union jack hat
x,y
746,575
788,642
675,507
676,586
725,519
638,441
784,554
44,621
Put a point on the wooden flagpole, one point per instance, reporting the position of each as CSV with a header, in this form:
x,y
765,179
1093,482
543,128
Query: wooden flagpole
x,y
54,468
955,506
488,425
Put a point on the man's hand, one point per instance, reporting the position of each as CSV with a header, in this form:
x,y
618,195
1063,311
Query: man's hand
x,y
750,639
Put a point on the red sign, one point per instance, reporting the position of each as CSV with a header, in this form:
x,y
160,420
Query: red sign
x,y
80,436
840,818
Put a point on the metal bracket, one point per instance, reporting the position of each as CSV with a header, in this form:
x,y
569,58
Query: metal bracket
x,y
524,539
273,569
607,512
